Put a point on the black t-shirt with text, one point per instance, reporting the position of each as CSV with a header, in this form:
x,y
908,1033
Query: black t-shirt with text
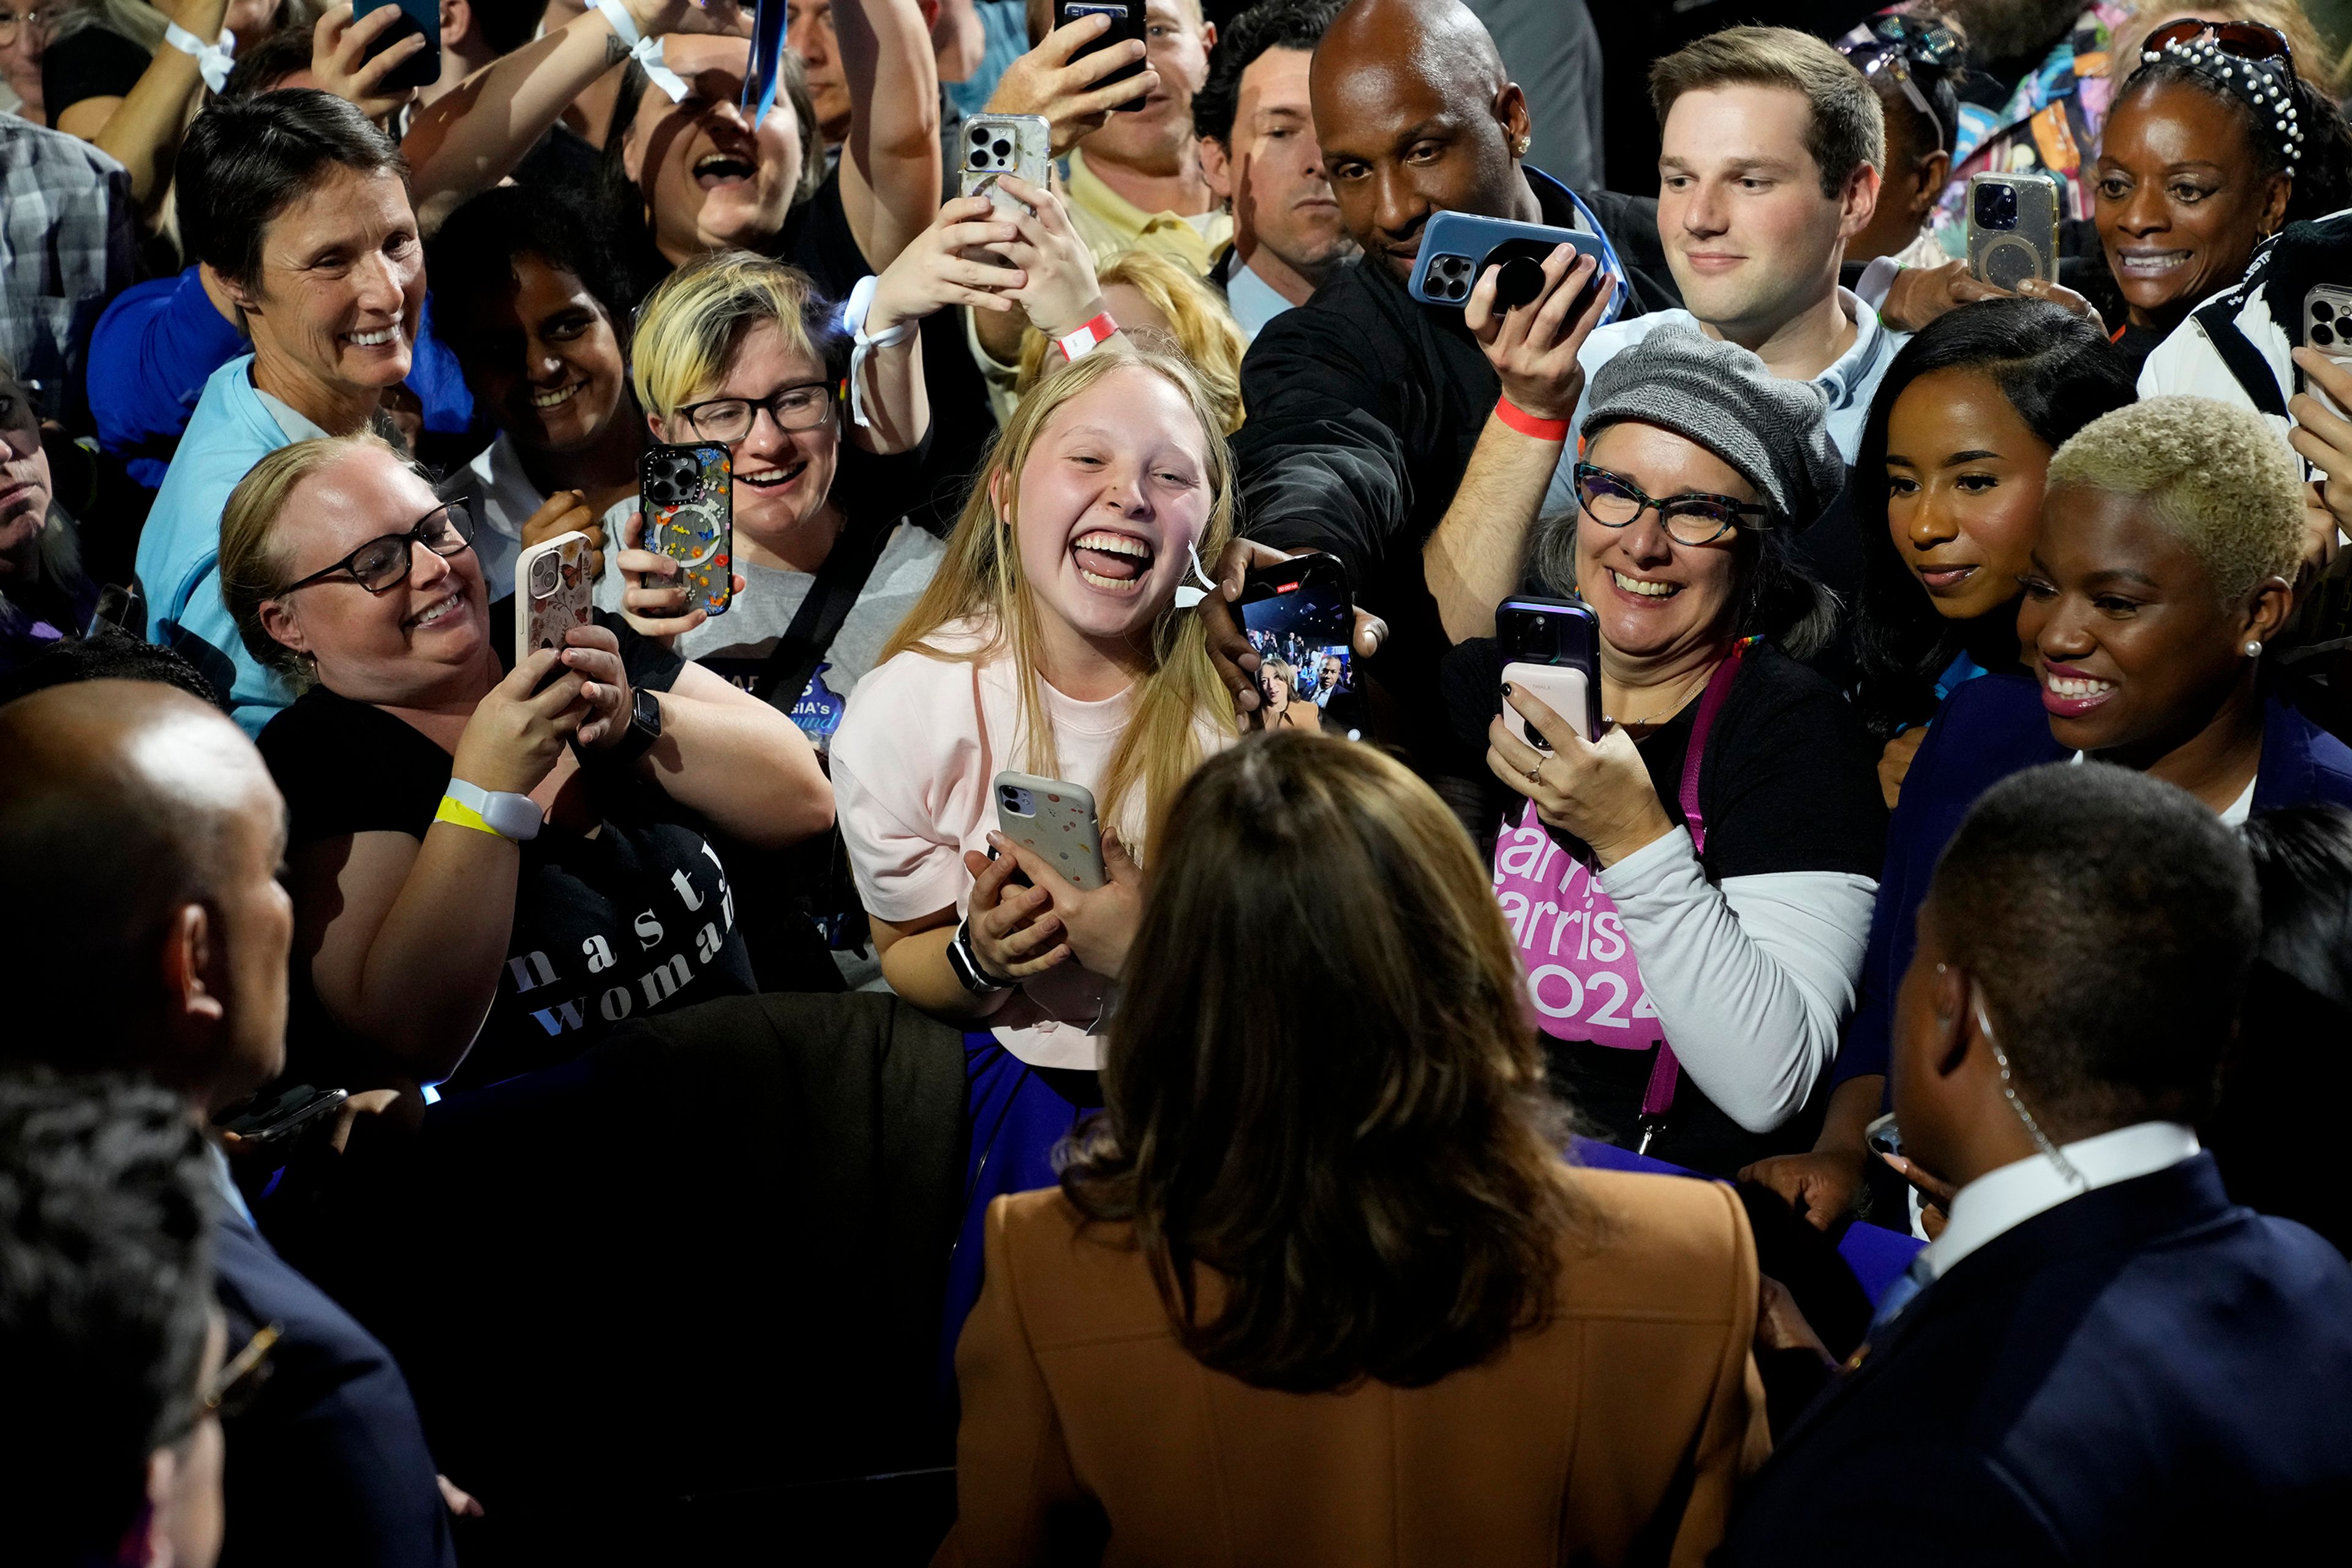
x,y
635,917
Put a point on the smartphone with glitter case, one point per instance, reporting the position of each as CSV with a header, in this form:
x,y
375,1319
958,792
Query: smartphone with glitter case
x,y
688,496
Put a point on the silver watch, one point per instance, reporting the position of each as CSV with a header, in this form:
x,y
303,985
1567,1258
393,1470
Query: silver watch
x,y
966,964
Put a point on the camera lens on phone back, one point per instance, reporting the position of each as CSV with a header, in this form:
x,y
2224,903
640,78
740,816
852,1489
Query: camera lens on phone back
x,y
2321,311
2320,337
1002,148
980,135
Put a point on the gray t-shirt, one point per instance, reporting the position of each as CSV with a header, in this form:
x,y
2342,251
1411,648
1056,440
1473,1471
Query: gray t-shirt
x,y
737,644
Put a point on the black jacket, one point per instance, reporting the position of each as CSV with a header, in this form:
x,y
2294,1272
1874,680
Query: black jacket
x,y
2145,1374
1364,406
328,1467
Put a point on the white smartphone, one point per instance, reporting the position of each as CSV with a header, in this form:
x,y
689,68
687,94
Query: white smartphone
x,y
552,592
1055,820
2327,327
1562,688
1020,146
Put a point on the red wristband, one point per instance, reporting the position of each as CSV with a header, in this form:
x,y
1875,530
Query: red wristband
x,y
1527,424
1083,342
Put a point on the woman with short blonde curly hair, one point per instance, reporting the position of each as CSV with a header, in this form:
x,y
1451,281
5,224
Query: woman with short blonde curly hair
x,y
2161,573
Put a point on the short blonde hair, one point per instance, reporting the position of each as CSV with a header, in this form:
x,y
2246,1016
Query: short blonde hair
x,y
1205,333
981,580
691,325
2213,472
252,572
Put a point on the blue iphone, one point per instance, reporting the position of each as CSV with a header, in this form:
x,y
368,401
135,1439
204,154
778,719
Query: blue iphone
x,y
1456,248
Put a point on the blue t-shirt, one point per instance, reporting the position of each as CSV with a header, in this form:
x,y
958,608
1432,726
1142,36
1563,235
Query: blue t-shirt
x,y
158,344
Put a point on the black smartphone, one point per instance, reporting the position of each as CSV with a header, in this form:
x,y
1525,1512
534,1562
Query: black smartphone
x,y
1126,21
1299,618
275,1121
422,69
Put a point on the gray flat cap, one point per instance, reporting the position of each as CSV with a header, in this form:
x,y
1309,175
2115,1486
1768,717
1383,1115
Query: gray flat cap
x,y
1774,431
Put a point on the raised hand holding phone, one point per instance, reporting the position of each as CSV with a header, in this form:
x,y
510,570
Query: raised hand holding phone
x,y
1073,83
1013,930
1533,347
517,732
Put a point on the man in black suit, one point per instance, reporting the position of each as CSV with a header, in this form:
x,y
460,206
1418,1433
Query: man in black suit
x,y
138,826
2105,1361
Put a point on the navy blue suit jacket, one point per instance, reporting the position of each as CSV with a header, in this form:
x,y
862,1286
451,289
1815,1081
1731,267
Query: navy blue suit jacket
x,y
330,1465
2145,1374
1991,728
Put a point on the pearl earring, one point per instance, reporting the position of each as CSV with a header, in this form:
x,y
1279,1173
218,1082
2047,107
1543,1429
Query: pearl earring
x,y
2254,648
1524,143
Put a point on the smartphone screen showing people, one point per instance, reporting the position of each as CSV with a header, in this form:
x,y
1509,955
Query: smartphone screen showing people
x,y
1297,620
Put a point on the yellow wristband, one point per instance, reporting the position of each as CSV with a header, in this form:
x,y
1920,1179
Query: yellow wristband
x,y
464,817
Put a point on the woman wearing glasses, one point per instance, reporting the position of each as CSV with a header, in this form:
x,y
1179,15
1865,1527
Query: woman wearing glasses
x,y
740,349
491,866
1703,874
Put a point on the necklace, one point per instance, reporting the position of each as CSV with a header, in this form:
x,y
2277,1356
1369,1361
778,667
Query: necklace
x,y
1675,706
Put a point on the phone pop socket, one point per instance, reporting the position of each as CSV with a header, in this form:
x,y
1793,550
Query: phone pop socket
x,y
1518,281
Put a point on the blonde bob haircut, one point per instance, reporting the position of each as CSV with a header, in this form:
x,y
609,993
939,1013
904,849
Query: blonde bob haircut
x,y
691,325
252,572
2212,472
981,581
1204,330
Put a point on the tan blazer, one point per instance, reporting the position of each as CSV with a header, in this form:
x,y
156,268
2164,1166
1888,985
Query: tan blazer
x,y
1614,1432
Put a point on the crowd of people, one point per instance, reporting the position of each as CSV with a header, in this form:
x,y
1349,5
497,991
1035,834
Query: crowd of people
x,y
916,1029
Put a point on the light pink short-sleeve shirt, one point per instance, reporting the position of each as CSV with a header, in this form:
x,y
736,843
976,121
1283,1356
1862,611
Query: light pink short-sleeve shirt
x,y
913,765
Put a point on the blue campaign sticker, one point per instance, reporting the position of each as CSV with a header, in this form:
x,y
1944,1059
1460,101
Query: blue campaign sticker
x,y
819,709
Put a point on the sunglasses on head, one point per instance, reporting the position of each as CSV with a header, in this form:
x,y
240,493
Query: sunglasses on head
x,y
2244,40
1898,43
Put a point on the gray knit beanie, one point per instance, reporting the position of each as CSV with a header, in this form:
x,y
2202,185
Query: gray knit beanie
x,y
1774,431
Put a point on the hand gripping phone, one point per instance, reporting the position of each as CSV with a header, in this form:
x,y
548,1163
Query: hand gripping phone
x,y
1126,22
275,1121
1053,820
2013,229
422,69
688,496
994,145
2327,327
1456,248
552,592
1300,621
1553,649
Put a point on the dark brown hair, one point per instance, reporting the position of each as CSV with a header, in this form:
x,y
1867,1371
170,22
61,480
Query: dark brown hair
x,y
1321,1082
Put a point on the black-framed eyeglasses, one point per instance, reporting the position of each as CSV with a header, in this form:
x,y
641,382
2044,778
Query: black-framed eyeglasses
x,y
382,564
2243,40
11,19
804,406
1613,500
233,1389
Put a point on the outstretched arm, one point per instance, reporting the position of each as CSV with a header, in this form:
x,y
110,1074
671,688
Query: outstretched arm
x,y
472,137
890,168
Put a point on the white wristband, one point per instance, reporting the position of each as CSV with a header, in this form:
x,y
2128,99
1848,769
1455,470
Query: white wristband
x,y
213,60
624,26
852,316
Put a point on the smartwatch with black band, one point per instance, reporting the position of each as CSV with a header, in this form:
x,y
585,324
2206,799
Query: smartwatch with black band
x,y
645,728
965,962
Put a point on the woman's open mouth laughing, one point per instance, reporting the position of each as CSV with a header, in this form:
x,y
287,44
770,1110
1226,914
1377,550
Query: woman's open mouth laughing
x,y
1113,563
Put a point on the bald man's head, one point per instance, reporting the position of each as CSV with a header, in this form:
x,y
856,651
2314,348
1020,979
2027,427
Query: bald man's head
x,y
1416,115
140,829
